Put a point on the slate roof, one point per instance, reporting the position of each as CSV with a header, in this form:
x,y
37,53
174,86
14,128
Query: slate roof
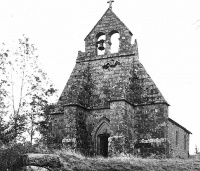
x,y
142,89
175,123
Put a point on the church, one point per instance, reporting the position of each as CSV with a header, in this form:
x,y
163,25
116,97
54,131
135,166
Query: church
x,y
110,105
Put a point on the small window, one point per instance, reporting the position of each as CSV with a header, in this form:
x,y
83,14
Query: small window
x,y
185,142
177,136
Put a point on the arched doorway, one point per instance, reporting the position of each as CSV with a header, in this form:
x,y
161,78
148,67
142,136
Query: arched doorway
x,y
103,144
101,135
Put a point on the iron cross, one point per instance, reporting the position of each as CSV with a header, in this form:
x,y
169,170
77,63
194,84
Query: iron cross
x,y
110,2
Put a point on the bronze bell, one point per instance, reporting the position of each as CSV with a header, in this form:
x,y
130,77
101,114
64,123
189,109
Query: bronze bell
x,y
101,42
101,47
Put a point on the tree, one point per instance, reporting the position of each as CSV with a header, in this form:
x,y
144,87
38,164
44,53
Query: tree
x,y
3,92
4,133
47,138
38,113
4,128
26,82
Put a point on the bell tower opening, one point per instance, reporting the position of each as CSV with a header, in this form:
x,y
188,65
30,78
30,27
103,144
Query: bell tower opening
x,y
114,38
100,43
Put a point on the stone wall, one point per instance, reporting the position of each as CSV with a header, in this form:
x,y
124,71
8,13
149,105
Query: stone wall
x,y
151,121
98,79
58,125
71,126
178,148
108,25
121,124
125,126
151,129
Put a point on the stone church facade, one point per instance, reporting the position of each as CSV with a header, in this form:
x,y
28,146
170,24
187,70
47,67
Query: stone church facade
x,y
110,105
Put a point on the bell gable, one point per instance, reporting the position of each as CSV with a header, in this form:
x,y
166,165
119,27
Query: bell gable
x,y
108,25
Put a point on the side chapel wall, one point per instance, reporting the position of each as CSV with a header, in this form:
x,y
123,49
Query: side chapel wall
x,y
178,149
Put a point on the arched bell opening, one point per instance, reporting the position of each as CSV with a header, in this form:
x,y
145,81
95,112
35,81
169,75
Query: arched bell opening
x,y
100,43
114,41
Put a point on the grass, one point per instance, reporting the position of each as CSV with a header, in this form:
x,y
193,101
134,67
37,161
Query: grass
x,y
77,162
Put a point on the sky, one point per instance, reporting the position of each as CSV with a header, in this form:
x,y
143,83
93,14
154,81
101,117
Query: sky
x,y
167,32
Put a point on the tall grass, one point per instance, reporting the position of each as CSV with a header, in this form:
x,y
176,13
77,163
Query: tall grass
x,y
76,161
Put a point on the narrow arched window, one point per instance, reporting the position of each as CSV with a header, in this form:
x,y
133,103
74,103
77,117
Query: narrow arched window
x,y
114,41
185,142
177,137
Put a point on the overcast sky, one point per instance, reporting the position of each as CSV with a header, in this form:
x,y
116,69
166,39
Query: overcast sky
x,y
167,31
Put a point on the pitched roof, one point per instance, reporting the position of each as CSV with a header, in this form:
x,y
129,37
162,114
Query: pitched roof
x,y
76,89
175,123
142,90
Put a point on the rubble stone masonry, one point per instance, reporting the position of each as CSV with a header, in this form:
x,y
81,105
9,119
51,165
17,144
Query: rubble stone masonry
x,y
110,104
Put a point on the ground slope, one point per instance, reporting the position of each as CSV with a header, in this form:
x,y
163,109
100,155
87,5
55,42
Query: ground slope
x,y
79,163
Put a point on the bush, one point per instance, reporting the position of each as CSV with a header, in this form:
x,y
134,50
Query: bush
x,y
11,158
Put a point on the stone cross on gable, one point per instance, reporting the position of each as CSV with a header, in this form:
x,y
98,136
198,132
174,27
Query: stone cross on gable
x,y
110,2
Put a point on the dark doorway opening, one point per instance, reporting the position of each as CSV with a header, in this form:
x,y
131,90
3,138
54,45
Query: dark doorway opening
x,y
103,146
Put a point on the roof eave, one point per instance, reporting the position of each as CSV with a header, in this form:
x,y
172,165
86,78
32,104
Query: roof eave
x,y
174,122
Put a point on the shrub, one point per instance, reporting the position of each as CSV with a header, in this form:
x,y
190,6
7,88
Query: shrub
x,y
11,157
